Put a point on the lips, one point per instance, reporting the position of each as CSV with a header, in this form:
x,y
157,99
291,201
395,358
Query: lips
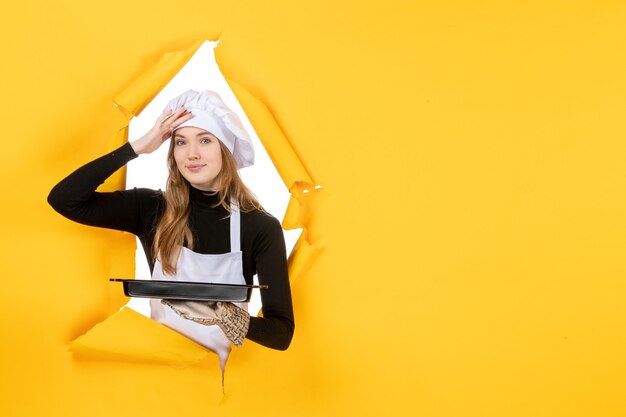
x,y
194,167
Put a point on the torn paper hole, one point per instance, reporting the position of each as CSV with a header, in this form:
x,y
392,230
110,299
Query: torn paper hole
x,y
150,171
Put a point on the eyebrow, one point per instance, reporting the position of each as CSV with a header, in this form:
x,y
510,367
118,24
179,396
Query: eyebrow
x,y
178,135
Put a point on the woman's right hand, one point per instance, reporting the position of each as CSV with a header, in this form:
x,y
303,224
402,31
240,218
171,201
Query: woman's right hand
x,y
161,131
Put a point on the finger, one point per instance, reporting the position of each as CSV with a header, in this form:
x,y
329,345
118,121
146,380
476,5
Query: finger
x,y
163,120
184,116
180,120
179,111
168,114
176,116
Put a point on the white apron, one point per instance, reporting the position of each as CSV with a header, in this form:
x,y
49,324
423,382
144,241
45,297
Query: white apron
x,y
224,268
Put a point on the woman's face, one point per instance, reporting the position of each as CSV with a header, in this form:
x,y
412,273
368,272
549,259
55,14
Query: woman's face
x,y
198,157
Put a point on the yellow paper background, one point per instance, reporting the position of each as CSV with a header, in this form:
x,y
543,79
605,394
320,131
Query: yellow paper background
x,y
472,211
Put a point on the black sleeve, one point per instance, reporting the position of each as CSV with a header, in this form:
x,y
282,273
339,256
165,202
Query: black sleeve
x,y
75,197
275,329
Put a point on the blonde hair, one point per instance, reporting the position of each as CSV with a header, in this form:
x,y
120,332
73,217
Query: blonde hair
x,y
173,229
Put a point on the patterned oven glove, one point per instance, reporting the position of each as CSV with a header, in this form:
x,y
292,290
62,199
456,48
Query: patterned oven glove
x,y
233,320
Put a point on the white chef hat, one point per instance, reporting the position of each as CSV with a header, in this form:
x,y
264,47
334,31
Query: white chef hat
x,y
211,114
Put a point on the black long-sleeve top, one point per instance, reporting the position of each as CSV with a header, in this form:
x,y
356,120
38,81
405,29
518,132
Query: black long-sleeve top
x,y
138,211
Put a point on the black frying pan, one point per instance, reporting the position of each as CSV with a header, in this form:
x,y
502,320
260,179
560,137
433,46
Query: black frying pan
x,y
187,290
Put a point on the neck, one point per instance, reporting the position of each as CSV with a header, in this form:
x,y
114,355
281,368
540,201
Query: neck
x,y
202,197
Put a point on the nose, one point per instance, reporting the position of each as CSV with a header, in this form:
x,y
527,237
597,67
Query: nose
x,y
193,153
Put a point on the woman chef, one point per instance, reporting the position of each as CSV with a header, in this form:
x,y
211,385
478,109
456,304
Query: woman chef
x,y
205,224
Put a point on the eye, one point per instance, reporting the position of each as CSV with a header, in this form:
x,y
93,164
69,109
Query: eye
x,y
205,140
180,142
